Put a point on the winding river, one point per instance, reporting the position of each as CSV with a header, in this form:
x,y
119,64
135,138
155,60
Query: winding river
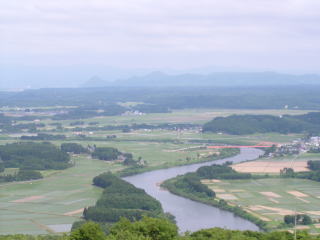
x,y
191,215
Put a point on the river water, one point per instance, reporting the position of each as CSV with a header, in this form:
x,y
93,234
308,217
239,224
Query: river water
x,y
191,215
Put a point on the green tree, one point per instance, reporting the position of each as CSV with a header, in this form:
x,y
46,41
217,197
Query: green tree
x,y
146,228
88,231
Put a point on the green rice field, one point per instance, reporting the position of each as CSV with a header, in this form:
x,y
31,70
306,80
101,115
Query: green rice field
x,y
271,199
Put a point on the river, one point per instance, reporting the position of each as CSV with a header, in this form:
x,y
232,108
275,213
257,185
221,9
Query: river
x,y
191,215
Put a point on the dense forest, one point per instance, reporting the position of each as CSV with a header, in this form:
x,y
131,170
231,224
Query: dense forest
x,y
106,153
249,124
30,157
220,172
73,148
33,156
121,199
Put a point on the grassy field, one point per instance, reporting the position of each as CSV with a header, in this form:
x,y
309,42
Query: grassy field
x,y
29,207
271,199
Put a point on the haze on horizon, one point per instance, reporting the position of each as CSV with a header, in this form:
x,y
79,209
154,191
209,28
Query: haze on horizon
x,y
135,37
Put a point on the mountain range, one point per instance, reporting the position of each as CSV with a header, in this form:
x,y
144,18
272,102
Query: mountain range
x,y
160,79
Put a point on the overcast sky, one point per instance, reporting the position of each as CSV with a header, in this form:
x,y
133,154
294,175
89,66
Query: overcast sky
x,y
249,34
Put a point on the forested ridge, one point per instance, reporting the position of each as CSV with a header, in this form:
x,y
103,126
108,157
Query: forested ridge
x,y
121,199
249,124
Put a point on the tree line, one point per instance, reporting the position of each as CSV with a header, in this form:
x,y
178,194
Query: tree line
x,y
44,137
313,174
249,124
159,229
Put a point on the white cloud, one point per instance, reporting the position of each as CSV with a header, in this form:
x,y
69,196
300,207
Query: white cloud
x,y
107,29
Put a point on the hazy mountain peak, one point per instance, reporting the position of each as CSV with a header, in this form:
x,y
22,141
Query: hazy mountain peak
x,y
94,81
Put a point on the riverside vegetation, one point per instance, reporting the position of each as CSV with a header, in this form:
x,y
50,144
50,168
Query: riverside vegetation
x,y
190,186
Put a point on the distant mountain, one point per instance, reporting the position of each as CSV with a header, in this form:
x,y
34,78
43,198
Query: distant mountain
x,y
33,77
95,82
159,79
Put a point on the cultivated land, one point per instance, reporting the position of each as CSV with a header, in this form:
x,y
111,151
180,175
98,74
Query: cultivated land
x,y
273,165
29,207
271,199
34,206
48,204
270,166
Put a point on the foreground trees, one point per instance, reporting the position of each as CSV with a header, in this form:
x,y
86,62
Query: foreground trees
x,y
159,229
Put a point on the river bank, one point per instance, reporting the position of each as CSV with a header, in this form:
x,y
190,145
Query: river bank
x,y
221,204
191,215
225,153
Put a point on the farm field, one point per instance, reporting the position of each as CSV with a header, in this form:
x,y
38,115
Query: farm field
x,y
274,165
196,116
51,204
168,135
270,166
32,207
55,202
271,199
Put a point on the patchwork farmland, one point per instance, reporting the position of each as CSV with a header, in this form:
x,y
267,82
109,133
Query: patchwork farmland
x,y
271,199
